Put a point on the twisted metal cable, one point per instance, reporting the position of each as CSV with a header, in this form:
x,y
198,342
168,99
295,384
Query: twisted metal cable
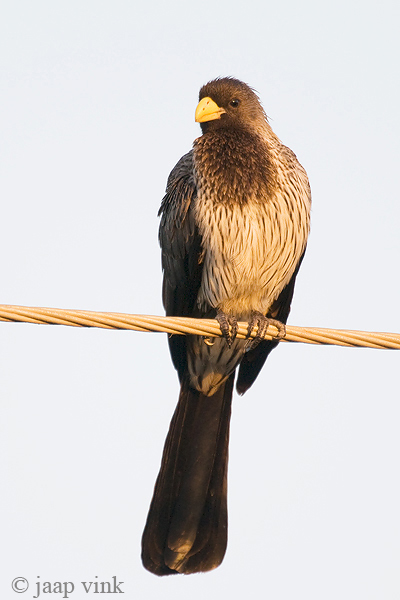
x,y
186,325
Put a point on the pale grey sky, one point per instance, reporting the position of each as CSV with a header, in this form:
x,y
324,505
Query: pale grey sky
x,y
97,104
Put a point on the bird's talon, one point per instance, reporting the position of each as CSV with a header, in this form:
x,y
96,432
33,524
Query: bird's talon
x,y
228,325
281,327
262,323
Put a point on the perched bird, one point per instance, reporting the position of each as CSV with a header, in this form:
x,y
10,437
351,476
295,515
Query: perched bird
x,y
233,232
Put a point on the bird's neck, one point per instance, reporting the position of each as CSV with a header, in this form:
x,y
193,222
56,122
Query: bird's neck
x,y
236,164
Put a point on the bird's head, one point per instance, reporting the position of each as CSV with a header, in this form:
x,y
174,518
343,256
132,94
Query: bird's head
x,y
228,103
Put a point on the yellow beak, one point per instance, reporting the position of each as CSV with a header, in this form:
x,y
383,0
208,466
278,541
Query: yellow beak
x,y
207,110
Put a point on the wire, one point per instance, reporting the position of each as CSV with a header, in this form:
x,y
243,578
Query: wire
x,y
186,325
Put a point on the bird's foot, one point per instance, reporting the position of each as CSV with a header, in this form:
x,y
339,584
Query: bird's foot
x,y
262,323
228,325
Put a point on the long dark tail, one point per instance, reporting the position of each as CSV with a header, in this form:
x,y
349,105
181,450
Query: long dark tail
x,y
186,528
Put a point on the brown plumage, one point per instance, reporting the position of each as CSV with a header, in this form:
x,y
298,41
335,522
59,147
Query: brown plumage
x,y
233,232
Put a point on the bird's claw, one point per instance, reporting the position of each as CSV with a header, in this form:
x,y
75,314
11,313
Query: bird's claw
x,y
228,325
281,327
262,323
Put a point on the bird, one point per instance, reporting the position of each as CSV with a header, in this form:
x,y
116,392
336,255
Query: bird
x,y
234,226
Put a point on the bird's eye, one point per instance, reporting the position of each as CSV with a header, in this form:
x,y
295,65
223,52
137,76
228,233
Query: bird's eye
x,y
235,103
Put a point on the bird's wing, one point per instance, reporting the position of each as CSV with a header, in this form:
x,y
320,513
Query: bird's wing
x,y
254,360
181,252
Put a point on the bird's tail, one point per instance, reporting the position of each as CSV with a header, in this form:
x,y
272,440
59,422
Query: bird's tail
x,y
186,528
